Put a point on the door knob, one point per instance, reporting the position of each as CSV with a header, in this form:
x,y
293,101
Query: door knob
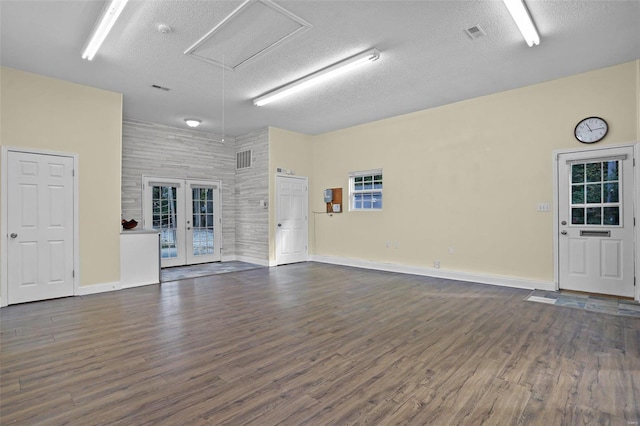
x,y
188,227
564,232
14,235
279,224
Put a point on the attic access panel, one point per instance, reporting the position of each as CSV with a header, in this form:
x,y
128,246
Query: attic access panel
x,y
251,30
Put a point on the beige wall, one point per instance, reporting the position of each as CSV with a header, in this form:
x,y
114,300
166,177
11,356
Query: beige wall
x,y
291,151
47,114
468,176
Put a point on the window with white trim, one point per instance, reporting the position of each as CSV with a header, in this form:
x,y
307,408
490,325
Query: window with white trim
x,y
365,190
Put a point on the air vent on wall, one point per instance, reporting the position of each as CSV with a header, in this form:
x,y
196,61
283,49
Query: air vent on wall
x,y
475,32
243,159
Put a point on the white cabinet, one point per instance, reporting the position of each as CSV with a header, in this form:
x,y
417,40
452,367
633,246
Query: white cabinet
x,y
139,257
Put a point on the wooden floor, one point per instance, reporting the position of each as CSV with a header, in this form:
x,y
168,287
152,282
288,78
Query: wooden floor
x,y
316,344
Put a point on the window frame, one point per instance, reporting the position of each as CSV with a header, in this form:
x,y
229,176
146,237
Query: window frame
x,y
353,192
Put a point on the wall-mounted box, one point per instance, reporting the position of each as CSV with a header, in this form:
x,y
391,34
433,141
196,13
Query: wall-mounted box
x,y
335,205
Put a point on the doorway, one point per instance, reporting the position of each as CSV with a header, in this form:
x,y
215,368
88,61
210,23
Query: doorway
x,y
187,215
40,206
292,230
596,221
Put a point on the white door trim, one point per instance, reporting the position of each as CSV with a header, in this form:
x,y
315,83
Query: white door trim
x,y
556,200
4,208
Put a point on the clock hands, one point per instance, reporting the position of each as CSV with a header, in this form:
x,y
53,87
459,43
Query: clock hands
x,y
587,124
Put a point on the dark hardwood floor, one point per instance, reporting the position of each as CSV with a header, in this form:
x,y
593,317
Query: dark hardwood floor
x,y
316,344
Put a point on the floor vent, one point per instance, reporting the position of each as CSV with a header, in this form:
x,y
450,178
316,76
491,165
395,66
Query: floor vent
x,y
243,159
475,32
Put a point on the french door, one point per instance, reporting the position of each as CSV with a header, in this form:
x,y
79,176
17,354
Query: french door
x,y
187,215
596,224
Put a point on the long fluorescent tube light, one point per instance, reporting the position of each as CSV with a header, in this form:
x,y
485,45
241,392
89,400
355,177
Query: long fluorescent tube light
x,y
103,25
520,14
318,77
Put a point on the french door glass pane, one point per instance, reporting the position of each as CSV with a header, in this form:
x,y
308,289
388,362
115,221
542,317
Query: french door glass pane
x,y
595,193
164,216
203,220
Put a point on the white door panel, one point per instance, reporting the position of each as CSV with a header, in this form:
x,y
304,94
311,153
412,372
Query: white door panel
x,y
40,225
595,213
292,221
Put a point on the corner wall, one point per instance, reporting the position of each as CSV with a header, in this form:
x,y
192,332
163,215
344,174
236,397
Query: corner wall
x,y
252,186
161,151
43,113
290,151
462,182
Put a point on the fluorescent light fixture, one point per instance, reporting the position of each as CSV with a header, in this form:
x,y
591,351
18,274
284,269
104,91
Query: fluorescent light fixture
x,y
103,25
192,122
520,14
318,77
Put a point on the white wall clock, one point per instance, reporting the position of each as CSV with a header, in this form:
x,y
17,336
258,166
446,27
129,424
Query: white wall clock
x,y
591,130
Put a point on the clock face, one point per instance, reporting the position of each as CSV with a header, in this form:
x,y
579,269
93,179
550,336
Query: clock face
x,y
591,130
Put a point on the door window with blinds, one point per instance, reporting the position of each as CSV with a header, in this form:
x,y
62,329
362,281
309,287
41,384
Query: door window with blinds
x,y
595,193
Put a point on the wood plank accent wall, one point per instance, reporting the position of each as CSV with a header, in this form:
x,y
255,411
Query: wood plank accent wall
x,y
252,186
162,151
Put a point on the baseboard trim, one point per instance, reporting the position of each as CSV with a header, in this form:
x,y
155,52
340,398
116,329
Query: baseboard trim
x,y
437,273
98,288
248,259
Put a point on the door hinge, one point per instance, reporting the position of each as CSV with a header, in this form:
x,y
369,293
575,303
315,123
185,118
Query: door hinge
x,y
73,274
73,172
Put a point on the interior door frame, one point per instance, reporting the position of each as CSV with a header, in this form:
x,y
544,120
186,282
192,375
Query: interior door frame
x,y
4,222
556,212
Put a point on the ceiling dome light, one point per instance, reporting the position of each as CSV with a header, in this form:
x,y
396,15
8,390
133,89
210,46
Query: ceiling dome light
x,y
192,122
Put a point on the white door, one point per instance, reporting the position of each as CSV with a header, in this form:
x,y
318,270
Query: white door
x,y
203,222
187,215
291,219
596,223
40,199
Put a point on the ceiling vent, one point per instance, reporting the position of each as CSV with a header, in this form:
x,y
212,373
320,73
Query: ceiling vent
x,y
243,159
475,32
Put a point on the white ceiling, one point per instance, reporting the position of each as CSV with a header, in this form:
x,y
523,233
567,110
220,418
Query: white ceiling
x,y
426,59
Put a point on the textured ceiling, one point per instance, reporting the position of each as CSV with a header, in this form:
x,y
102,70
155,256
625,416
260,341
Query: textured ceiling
x,y
427,59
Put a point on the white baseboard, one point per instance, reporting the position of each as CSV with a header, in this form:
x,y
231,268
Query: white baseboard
x,y
261,262
98,288
438,273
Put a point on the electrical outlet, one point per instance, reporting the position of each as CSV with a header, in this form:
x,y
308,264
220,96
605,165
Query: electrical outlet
x,y
436,264
387,244
450,250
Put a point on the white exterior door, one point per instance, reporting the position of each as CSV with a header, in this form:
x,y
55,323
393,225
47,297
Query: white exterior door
x,y
40,222
187,215
203,222
291,219
596,222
